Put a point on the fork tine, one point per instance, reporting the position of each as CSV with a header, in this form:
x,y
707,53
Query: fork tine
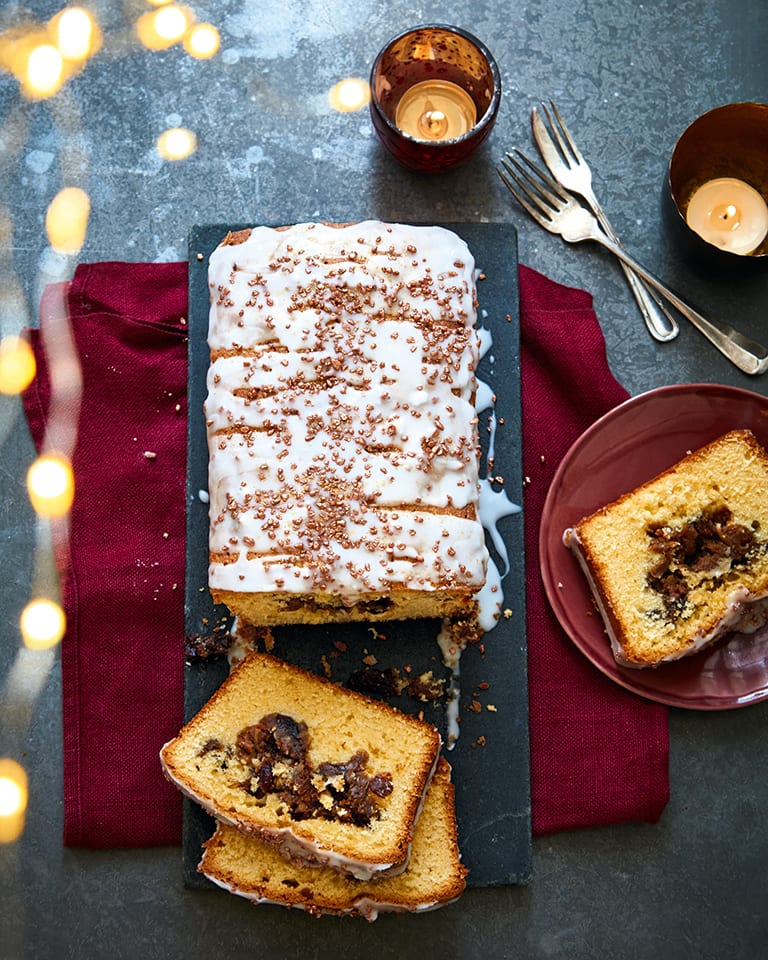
x,y
554,129
543,184
507,175
541,216
560,128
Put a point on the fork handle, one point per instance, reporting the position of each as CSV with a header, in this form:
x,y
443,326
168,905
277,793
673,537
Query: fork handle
x,y
748,355
660,323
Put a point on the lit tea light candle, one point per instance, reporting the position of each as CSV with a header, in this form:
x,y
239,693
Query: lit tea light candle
x,y
729,214
435,110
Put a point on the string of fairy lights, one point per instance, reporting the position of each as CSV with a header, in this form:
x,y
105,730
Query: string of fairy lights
x,y
43,58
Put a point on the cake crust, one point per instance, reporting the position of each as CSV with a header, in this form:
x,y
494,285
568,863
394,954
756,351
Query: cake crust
x,y
682,560
343,445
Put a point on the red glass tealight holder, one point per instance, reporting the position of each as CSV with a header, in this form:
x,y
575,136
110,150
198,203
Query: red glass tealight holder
x,y
435,93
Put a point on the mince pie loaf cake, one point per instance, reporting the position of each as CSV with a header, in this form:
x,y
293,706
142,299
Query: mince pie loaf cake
x,y
435,875
683,559
323,774
342,436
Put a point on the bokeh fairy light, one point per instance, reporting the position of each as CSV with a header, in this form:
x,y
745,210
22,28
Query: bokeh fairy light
x,y
176,143
202,41
66,220
349,95
17,364
75,33
161,28
43,57
13,799
43,623
51,485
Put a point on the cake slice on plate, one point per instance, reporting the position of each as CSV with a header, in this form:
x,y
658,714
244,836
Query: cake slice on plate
x,y
683,559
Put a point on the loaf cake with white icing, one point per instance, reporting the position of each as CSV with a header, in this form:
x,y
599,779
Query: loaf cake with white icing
x,y
324,775
682,560
435,875
343,443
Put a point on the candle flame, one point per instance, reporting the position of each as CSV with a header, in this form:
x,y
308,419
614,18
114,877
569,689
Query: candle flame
x,y
17,364
13,799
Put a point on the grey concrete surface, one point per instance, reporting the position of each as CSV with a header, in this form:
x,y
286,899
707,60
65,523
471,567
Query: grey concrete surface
x,y
629,77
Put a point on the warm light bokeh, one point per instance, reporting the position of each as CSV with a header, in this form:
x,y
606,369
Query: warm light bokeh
x,y
13,799
75,33
42,624
44,73
17,364
161,28
349,95
66,220
51,485
202,41
176,143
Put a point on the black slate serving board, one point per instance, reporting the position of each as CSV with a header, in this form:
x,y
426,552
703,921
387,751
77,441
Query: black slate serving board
x,y
490,759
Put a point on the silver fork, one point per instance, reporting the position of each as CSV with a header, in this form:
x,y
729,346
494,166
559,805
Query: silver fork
x,y
553,208
570,169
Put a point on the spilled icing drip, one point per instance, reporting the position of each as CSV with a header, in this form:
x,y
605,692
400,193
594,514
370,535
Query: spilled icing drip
x,y
494,505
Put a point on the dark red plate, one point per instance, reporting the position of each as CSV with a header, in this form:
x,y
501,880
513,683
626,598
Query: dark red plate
x,y
629,445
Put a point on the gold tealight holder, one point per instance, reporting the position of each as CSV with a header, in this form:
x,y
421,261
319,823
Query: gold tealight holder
x,y
435,93
718,177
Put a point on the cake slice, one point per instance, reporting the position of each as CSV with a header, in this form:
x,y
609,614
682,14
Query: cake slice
x,y
323,774
342,433
683,559
435,875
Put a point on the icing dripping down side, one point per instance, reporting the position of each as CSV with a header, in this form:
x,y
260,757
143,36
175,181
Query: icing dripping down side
x,y
451,654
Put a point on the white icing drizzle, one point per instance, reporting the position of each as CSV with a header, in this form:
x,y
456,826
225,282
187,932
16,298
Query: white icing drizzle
x,y
484,398
485,338
451,654
342,439
490,599
494,506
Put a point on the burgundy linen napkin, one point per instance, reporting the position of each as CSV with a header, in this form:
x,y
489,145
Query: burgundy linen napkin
x,y
122,659
599,754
